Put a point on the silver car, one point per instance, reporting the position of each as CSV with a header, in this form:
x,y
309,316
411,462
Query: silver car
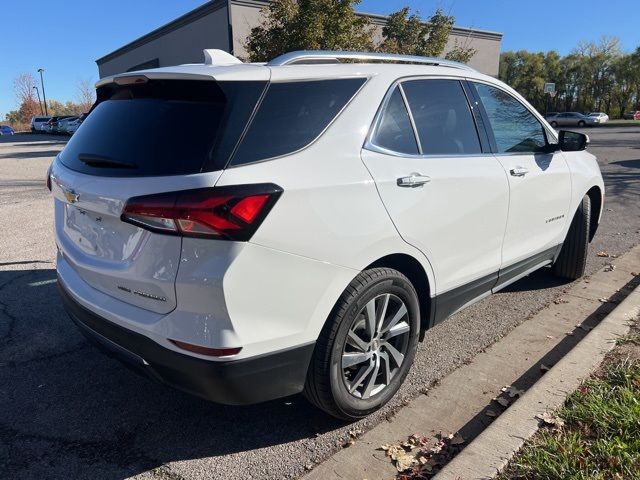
x,y
575,119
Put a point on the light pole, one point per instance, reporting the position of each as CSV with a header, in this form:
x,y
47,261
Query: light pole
x,y
39,102
44,95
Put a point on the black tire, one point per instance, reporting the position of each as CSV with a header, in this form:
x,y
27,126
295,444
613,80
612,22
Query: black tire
x,y
581,123
572,260
554,124
326,384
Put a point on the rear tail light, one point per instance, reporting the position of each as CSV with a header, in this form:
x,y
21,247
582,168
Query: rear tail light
x,y
226,213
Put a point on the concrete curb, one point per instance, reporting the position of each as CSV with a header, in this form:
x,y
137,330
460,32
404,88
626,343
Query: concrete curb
x,y
490,452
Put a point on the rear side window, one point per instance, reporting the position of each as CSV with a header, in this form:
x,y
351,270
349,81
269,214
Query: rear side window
x,y
394,131
514,127
442,117
162,127
292,115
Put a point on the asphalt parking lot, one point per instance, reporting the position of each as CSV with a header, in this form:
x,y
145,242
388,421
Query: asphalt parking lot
x,y
70,412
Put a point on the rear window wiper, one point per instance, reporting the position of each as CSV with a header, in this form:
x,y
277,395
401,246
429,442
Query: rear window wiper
x,y
99,161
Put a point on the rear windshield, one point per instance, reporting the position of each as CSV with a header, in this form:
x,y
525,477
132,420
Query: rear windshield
x,y
162,127
292,115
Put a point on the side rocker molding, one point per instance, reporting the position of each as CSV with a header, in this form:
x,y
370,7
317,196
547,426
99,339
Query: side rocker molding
x,y
456,299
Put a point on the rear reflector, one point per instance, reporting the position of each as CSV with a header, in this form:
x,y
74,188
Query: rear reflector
x,y
226,213
212,352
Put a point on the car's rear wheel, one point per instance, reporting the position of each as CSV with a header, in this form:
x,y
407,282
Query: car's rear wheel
x,y
554,124
367,346
581,123
572,260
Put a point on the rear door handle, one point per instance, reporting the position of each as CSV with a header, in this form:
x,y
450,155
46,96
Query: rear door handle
x,y
519,171
413,180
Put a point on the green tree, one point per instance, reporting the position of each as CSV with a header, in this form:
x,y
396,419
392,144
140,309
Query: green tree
x,y
595,76
333,25
406,33
309,25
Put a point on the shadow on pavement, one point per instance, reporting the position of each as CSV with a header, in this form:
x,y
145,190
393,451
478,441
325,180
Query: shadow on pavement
x,y
628,163
34,139
68,411
482,419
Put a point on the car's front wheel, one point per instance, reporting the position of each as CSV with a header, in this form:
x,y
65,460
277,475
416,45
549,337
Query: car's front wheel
x,y
367,346
572,260
581,123
554,124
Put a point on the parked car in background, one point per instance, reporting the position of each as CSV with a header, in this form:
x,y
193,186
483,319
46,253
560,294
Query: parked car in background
x,y
57,126
6,130
37,123
289,281
47,126
634,115
575,119
600,116
73,125
63,124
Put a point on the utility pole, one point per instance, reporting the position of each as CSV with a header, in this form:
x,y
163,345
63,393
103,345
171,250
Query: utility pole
x,y
44,95
39,101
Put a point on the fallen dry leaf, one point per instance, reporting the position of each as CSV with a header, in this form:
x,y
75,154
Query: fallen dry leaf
x,y
609,267
502,401
602,254
491,413
550,419
544,368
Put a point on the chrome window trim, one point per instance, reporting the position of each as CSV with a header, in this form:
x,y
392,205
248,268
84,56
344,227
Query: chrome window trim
x,y
370,144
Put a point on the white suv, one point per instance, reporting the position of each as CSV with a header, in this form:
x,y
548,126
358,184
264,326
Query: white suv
x,y
249,231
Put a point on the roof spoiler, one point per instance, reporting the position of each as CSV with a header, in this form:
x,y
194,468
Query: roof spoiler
x,y
214,56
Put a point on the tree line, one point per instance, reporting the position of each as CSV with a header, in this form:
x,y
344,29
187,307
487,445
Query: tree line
x,y
594,77
31,105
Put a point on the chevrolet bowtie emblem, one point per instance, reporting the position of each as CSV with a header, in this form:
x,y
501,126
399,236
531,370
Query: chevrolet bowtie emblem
x,y
70,195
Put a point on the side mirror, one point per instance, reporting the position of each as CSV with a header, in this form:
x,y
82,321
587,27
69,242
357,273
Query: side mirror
x,y
572,141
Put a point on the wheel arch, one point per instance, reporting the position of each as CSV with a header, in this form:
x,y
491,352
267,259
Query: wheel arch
x,y
415,272
595,196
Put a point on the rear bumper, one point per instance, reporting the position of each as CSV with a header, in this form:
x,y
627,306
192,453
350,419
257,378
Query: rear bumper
x,y
235,382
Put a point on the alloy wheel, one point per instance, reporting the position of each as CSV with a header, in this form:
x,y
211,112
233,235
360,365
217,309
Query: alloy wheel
x,y
376,345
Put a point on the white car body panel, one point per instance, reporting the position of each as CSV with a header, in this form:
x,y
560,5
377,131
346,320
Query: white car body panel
x,y
341,210
538,204
436,219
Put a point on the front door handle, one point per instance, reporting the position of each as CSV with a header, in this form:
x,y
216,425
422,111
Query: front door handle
x,y
413,180
519,171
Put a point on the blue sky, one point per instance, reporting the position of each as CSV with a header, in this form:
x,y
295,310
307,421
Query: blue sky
x,y
65,37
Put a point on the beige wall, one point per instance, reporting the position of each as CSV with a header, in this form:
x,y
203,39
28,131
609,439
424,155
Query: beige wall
x,y
182,45
183,40
243,19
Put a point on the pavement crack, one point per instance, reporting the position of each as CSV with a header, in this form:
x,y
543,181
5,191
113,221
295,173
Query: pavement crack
x,y
4,307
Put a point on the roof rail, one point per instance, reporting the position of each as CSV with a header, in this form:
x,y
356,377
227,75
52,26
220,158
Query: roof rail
x,y
329,56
